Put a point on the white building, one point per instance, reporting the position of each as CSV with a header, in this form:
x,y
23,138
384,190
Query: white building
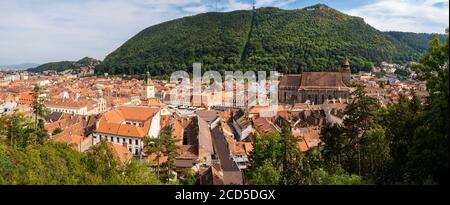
x,y
128,125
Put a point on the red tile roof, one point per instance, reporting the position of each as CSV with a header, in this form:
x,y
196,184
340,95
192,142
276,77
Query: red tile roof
x,y
112,122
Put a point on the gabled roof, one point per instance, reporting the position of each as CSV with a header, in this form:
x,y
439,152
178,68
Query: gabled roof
x,y
208,116
263,126
112,122
290,82
121,151
321,80
204,133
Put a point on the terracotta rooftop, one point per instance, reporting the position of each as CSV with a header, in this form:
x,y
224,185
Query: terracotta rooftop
x,y
291,82
263,126
322,80
69,139
121,151
112,122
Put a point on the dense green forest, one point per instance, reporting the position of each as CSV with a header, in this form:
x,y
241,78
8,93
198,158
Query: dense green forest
x,y
404,143
66,65
313,38
416,41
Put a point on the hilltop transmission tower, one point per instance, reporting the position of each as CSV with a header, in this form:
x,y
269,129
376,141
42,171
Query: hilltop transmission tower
x,y
254,5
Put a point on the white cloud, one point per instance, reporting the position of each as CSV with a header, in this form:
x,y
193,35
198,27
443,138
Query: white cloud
x,y
196,9
52,30
406,15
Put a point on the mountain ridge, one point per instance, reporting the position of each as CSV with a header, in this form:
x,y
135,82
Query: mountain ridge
x,y
314,38
66,65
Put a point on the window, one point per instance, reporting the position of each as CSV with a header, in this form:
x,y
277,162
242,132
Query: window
x,y
123,140
112,139
129,140
137,142
129,149
136,151
117,140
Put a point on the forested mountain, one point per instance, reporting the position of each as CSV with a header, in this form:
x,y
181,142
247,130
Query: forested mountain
x,y
66,65
416,41
313,38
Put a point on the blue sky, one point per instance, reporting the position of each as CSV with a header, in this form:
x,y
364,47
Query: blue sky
x,y
41,31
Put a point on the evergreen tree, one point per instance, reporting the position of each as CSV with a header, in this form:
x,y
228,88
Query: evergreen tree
x,y
164,145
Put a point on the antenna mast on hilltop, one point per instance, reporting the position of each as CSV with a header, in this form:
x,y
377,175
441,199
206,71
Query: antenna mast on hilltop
x,y
254,5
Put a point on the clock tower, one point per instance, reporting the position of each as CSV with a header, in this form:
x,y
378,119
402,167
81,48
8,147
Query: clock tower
x,y
149,87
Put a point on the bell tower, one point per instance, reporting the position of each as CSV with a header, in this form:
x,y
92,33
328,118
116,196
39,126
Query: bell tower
x,y
346,72
149,86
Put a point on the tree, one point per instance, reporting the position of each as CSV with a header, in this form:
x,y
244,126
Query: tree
x,y
359,114
375,152
323,177
429,153
266,174
21,131
164,145
154,146
39,109
103,163
399,122
189,178
359,117
280,152
57,131
334,142
138,174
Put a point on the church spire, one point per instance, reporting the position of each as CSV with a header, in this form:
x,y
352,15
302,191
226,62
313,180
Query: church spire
x,y
346,64
149,86
147,79
346,72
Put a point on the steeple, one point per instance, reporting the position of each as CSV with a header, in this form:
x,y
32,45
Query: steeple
x,y
346,72
346,64
147,79
149,86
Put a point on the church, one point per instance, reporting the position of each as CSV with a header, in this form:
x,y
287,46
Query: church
x,y
315,87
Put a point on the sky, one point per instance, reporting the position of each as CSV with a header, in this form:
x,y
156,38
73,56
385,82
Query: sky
x,y
40,31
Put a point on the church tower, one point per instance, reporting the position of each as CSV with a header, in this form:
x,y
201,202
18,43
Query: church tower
x,y
346,72
149,87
